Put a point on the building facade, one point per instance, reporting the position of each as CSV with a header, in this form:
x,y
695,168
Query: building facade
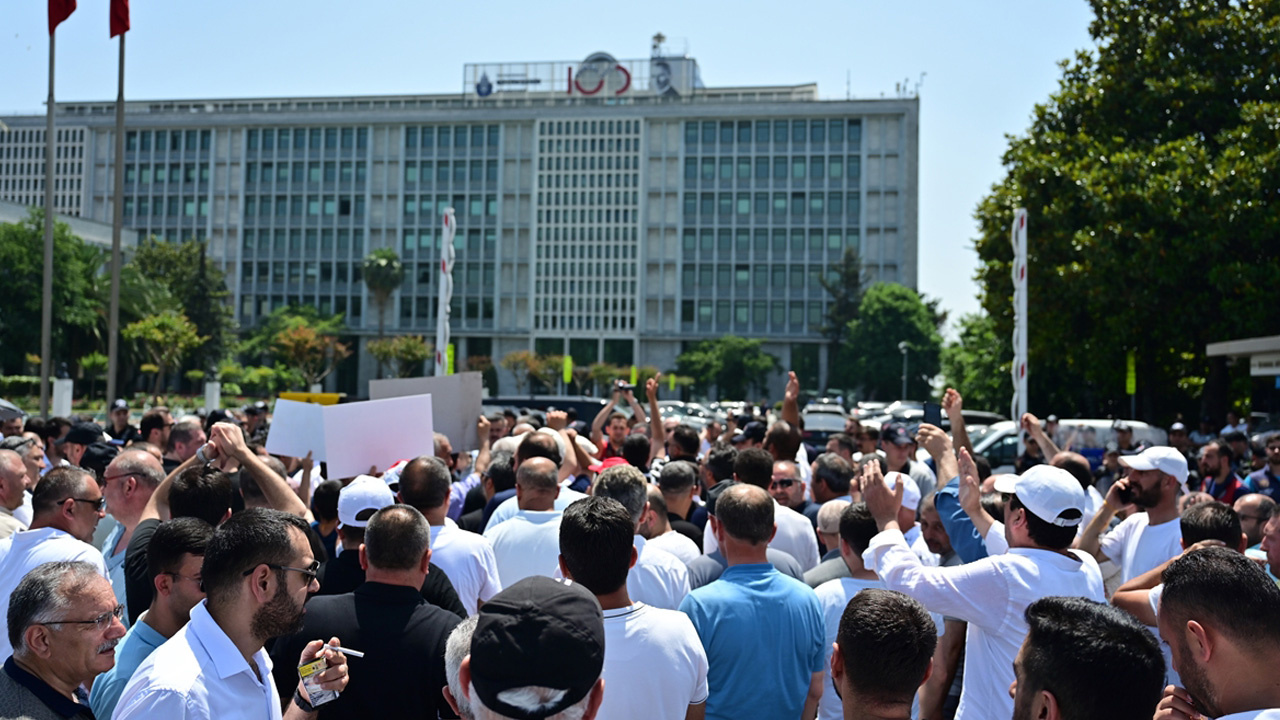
x,y
611,210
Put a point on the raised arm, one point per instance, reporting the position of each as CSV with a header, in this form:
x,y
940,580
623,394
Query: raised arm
x,y
971,495
791,401
229,441
483,458
657,433
938,445
158,504
1031,424
597,425
953,405
1090,540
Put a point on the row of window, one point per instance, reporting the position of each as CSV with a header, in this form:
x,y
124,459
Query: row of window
x,y
346,138
579,289
596,269
469,242
756,277
475,276
265,305
797,204
798,167
310,240
459,171
36,152
574,216
585,322
423,310
727,132
589,234
172,140
297,206
555,251
589,145
588,180
163,173
796,315
37,135
430,207
588,127
604,197
172,206
314,172
296,272
444,136
761,240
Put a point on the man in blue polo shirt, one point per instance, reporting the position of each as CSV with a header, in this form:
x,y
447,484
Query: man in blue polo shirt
x,y
762,630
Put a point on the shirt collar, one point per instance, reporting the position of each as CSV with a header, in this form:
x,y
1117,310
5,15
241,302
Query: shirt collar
x,y
224,654
390,593
56,701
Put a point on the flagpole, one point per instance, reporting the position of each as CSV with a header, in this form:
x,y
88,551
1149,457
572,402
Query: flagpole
x,y
117,223
46,306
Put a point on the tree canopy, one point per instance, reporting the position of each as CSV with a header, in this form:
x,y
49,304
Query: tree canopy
x,y
198,286
732,364
888,315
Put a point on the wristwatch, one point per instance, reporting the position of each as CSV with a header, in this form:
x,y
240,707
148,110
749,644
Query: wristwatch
x,y
301,702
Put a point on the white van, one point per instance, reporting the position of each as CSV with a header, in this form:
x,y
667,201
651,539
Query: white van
x,y
1089,437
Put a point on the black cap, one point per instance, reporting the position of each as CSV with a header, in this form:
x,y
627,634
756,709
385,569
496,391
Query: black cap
x,y
119,404
896,433
753,431
98,456
1121,426
82,433
542,632
258,408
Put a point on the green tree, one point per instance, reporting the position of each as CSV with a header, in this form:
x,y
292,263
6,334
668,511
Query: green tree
x,y
259,341
198,286
167,338
308,353
406,353
522,364
888,315
844,283
383,273
1150,179
93,365
75,310
978,364
732,364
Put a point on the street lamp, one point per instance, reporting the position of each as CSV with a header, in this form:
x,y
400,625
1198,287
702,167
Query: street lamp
x,y
903,347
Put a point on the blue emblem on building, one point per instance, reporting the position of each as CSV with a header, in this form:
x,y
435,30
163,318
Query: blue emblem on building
x,y
484,88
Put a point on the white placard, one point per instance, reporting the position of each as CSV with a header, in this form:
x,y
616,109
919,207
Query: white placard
x,y
456,403
296,429
375,433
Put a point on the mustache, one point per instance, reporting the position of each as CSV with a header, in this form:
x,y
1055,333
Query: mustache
x,y
108,645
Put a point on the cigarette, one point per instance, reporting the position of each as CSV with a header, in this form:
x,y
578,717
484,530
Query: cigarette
x,y
344,651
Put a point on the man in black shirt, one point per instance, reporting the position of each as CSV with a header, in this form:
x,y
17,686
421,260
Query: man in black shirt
x,y
402,635
120,429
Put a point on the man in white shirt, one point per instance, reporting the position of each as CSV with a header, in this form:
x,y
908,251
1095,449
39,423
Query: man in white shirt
x,y
13,485
1144,540
535,445
654,662
529,543
68,506
992,593
656,529
127,485
659,578
795,535
258,570
883,652
467,558
1221,615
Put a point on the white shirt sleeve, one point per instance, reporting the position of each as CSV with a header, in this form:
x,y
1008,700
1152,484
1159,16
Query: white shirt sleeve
x,y
158,703
996,542
490,584
1112,543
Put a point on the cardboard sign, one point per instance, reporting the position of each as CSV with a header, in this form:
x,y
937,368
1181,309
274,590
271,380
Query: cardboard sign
x,y
296,429
457,400
353,437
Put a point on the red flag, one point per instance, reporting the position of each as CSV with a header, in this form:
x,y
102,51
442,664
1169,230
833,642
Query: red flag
x,y
60,10
119,17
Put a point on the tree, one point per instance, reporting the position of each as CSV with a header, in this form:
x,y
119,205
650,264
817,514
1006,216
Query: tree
x,y
166,338
309,353
547,370
844,284
383,273
732,364
483,364
602,376
888,315
93,365
198,287
1149,177
521,364
259,341
978,364
405,352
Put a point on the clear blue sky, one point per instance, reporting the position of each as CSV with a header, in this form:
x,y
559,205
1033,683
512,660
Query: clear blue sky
x,y
987,63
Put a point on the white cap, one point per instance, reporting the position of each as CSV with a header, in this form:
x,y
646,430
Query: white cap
x,y
366,492
910,490
1047,492
1163,458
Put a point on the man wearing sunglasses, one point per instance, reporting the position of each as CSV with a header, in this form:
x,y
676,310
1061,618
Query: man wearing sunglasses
x,y
67,506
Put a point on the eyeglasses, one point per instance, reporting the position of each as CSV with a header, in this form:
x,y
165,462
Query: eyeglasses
x,y
310,573
102,622
97,504
784,484
108,478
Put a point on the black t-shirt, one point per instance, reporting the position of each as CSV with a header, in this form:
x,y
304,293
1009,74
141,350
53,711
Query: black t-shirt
x,y
127,435
715,491
686,528
138,588
404,639
343,574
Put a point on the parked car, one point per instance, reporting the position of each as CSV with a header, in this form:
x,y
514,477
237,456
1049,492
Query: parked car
x,y
1087,436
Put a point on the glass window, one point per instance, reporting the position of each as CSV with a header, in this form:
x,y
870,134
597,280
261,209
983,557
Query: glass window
x,y
476,170
331,138
817,168
798,128
797,168
761,203
314,138
780,131
411,172
493,135
687,312
779,203
704,312
348,138
690,238
442,171
460,137
741,276
760,240
445,133
690,133
836,130
477,136
744,131
708,168
690,205
816,205
854,208
459,171
797,241
854,170
779,168
779,240
726,168
835,204
797,277
428,135
707,204
744,168
330,171
252,140
313,172
725,203
762,131
706,239
726,131
690,168
722,312
491,170
744,204
855,133
708,131
818,131
835,168
762,168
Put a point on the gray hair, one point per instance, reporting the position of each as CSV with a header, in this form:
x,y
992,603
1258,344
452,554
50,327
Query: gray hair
x,y
531,699
18,444
43,595
456,649
829,516
625,484
140,464
184,430
14,459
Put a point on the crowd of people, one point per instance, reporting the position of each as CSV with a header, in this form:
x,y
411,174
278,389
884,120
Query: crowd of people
x,y
625,567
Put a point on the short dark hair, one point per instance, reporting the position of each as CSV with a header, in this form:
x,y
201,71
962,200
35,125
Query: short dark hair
x,y
44,592
1210,521
1223,448
396,537
537,444
635,450
1043,532
1098,661
984,466
57,485
886,641
184,430
873,458
754,466
844,441
201,491
783,439
745,515
678,476
502,470
250,538
595,543
834,471
324,501
1077,465
172,540
424,483
617,416
1227,589
152,419
720,461
686,439
857,527
625,484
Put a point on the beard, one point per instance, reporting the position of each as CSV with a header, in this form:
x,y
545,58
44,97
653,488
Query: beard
x,y
280,616
1147,498
1196,682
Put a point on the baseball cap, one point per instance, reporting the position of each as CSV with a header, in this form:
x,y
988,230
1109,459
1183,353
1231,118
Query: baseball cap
x,y
1048,492
1176,427
1052,418
895,433
910,490
753,431
361,499
1121,426
119,404
258,408
1163,458
82,433
541,632
606,464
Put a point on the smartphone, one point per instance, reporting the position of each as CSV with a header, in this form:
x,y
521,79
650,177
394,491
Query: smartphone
x,y
932,414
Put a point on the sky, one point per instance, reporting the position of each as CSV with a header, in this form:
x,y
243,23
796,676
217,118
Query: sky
x,y
984,63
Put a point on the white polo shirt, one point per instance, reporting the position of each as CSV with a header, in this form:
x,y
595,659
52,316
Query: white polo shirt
x,y
795,536
24,551
1138,546
677,544
527,544
200,675
654,664
990,594
658,579
468,560
508,508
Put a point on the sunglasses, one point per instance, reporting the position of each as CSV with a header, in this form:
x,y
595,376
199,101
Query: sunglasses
x,y
97,504
310,573
783,484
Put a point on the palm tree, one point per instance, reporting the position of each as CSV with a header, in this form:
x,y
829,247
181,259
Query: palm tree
x,y
383,273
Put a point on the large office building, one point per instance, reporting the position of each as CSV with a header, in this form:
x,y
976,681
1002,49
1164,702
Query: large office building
x,y
614,210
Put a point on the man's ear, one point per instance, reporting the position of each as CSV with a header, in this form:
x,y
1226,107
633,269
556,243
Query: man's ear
x,y
1044,706
564,569
464,678
837,664
597,696
163,583
1201,642
1244,542
38,641
634,557
424,565
364,558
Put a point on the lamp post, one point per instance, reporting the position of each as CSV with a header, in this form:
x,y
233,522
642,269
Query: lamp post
x,y
903,347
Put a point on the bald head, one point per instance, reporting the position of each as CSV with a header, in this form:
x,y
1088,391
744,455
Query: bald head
x,y
746,513
537,484
139,463
13,479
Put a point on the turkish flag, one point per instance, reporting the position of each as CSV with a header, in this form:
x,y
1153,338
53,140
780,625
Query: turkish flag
x,y
60,10
119,17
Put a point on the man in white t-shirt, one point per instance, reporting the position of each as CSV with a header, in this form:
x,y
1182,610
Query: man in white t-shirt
x,y
529,543
883,651
659,578
654,662
795,535
465,557
1145,540
991,594
656,528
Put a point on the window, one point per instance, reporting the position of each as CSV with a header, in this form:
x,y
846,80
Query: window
x,y
744,168
690,207
816,204
331,138
798,131
744,204
779,168
780,131
744,131
313,138
708,168
835,204
741,276
855,168
779,204
761,203
797,168
706,204
835,168
477,136
493,136
690,168
836,131
797,204
818,131
726,168
690,133
690,238
817,168
762,131
726,131
855,133
708,131
348,138
762,168
725,203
